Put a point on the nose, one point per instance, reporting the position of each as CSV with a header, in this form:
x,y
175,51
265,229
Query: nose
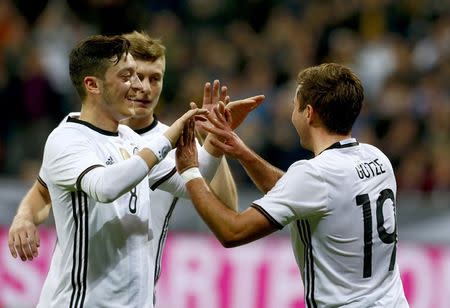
x,y
136,83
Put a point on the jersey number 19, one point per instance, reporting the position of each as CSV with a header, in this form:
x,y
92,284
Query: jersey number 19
x,y
385,237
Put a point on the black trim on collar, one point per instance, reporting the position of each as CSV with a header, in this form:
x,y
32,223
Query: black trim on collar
x,y
141,131
339,145
101,131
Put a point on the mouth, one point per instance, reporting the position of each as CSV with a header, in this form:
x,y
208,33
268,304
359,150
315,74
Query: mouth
x,y
142,101
130,100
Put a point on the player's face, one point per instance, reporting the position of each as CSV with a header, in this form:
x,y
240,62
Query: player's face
x,y
299,120
151,75
120,88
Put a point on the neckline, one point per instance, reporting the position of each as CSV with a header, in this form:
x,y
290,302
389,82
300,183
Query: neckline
x,y
91,126
141,131
342,144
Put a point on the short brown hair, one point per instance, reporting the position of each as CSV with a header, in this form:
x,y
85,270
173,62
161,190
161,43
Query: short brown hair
x,y
93,56
145,48
335,92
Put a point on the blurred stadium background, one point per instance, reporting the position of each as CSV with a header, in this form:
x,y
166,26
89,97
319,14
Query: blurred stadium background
x,y
400,49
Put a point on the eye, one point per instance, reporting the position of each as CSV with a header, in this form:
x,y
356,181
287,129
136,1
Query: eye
x,y
126,76
155,79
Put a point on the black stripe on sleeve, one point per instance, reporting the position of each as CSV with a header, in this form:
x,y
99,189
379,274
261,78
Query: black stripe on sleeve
x,y
163,179
40,180
272,220
82,174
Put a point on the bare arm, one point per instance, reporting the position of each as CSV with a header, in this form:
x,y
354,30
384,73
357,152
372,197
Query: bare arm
x,y
224,187
262,173
23,237
223,184
230,227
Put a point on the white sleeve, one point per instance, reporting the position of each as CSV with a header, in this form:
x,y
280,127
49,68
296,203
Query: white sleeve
x,y
66,156
108,184
299,193
164,176
71,163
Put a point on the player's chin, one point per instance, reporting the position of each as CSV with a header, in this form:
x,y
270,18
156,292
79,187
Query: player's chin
x,y
129,110
142,110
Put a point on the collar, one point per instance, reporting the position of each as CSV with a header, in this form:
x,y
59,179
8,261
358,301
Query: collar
x,y
346,143
97,129
141,131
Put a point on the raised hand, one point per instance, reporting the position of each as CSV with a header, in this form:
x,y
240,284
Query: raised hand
x,y
186,152
241,108
175,130
226,140
211,96
23,239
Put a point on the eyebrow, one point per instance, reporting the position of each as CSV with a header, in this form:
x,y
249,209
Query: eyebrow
x,y
125,69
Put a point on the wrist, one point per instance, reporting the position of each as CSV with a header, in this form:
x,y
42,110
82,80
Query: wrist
x,y
24,216
190,174
160,145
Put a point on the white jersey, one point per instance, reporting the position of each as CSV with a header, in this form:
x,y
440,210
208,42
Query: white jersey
x,y
163,203
341,209
101,258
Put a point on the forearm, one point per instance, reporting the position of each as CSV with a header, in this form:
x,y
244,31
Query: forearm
x,y
224,187
262,173
35,206
109,183
222,221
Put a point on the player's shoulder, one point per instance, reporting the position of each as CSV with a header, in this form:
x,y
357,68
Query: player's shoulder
x,y
127,133
69,130
304,166
75,115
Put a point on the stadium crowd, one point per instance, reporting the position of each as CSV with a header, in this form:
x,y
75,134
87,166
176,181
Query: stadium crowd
x,y
400,49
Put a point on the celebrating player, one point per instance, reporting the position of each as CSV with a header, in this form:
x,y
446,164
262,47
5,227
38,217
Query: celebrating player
x,y
340,205
150,58
97,173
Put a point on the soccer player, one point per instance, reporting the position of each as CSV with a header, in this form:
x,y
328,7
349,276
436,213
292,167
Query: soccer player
x,y
98,174
150,58
340,205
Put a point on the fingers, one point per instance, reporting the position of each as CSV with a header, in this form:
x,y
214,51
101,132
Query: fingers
x,y
226,100
192,131
207,92
26,243
228,117
37,237
221,145
223,94
216,89
219,112
11,245
33,246
214,130
194,112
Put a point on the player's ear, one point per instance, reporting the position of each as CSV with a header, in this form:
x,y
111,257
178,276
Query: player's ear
x,y
91,84
311,116
309,112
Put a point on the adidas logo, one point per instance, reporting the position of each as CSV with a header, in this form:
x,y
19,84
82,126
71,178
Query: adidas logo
x,y
109,161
